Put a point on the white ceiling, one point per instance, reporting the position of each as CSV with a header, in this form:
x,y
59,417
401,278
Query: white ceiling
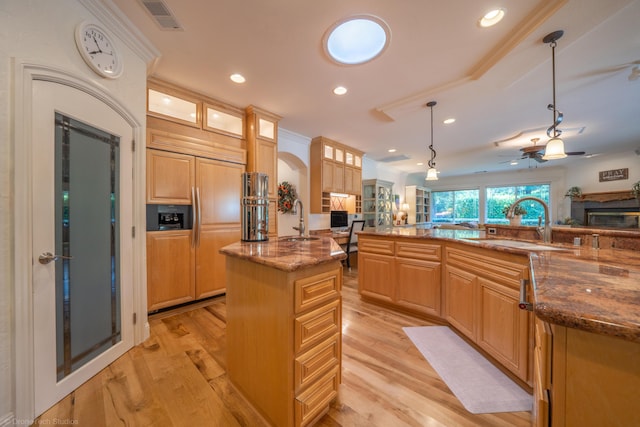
x,y
496,82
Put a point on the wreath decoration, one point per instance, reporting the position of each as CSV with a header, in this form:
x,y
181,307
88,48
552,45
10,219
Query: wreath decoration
x,y
286,196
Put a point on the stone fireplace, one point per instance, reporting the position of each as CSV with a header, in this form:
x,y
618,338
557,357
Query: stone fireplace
x,y
617,209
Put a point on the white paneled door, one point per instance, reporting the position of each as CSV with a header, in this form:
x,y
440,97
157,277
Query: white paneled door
x,y
81,238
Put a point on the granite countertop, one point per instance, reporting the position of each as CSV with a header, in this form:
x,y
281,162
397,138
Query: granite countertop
x,y
597,290
284,254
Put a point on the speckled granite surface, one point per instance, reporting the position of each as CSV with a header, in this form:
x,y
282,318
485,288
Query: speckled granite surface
x,y
287,255
597,290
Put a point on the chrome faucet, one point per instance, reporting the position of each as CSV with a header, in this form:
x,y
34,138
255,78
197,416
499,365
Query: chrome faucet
x,y
294,211
546,232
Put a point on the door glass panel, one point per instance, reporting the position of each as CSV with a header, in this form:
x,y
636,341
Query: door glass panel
x,y
87,230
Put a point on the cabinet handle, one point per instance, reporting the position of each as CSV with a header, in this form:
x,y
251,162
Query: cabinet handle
x,y
199,216
194,217
524,304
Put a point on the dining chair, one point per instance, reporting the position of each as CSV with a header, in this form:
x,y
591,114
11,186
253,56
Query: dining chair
x,y
352,244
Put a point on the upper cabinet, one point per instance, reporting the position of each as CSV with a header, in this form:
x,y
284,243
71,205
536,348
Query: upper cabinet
x,y
262,148
335,168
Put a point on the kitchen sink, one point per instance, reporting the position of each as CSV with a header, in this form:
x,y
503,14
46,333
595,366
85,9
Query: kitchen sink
x,y
531,246
298,239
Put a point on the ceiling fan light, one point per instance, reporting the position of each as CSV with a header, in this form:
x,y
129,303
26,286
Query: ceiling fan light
x,y
554,149
432,175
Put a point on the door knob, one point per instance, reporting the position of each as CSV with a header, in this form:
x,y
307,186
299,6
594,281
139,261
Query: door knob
x,y
47,257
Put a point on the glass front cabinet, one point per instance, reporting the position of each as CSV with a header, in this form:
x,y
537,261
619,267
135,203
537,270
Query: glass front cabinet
x,y
377,203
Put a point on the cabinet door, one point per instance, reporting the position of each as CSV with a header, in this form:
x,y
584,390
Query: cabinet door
x,y
352,180
210,264
503,326
170,177
267,162
376,276
418,285
328,171
338,178
170,274
220,187
460,304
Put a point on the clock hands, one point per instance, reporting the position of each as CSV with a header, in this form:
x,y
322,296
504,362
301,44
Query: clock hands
x,y
93,52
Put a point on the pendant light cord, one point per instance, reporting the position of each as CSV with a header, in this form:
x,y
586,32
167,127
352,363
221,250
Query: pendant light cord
x,y
431,162
553,131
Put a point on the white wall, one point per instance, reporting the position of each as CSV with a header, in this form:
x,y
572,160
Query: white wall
x,y
293,166
585,175
42,32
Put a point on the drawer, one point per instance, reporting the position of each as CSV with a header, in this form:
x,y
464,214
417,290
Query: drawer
x,y
316,362
313,291
316,399
502,271
317,325
424,251
375,246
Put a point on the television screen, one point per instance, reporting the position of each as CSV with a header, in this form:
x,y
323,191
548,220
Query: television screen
x,y
339,219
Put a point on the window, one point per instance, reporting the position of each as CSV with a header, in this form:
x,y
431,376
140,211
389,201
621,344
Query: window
x,y
499,197
456,206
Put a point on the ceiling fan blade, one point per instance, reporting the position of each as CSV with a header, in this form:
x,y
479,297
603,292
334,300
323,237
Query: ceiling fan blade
x,y
575,153
538,158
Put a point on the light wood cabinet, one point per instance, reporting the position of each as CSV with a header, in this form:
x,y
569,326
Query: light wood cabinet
x,y
585,379
170,177
185,265
262,149
404,274
170,273
335,168
284,338
482,297
461,310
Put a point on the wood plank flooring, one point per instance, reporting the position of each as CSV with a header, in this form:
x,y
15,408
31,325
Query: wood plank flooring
x,y
178,378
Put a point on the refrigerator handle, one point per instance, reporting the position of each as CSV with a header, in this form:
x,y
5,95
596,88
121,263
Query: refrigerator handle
x,y
194,217
199,216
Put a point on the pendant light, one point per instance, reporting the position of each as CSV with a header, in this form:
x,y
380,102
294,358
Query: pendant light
x,y
555,145
432,175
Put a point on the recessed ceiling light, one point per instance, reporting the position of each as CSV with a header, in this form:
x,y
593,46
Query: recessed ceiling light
x,y
449,121
357,39
513,162
237,78
419,163
340,90
492,17
391,150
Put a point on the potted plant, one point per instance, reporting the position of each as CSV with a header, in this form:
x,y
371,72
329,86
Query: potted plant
x,y
517,214
635,190
573,192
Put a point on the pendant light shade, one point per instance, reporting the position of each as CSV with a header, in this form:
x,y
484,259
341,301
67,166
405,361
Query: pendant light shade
x,y
555,146
432,174
554,149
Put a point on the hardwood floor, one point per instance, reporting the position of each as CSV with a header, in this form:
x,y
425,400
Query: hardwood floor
x,y
177,377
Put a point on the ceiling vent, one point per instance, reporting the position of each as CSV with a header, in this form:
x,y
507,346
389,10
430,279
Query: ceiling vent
x,y
391,159
161,15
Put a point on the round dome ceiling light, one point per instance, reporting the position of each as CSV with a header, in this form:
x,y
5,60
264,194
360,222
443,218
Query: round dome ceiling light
x,y
340,90
356,40
237,78
492,17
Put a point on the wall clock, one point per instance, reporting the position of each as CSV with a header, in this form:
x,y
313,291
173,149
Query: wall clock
x,y
98,50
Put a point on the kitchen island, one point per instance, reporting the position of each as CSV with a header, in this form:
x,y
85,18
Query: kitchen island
x,y
581,350
284,312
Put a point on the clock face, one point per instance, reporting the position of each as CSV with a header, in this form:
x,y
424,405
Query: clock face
x,y
98,50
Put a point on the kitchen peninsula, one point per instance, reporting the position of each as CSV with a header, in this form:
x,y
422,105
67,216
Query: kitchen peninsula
x,y
284,314
579,347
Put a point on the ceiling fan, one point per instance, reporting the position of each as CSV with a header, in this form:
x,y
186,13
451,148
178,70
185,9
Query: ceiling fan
x,y
536,152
